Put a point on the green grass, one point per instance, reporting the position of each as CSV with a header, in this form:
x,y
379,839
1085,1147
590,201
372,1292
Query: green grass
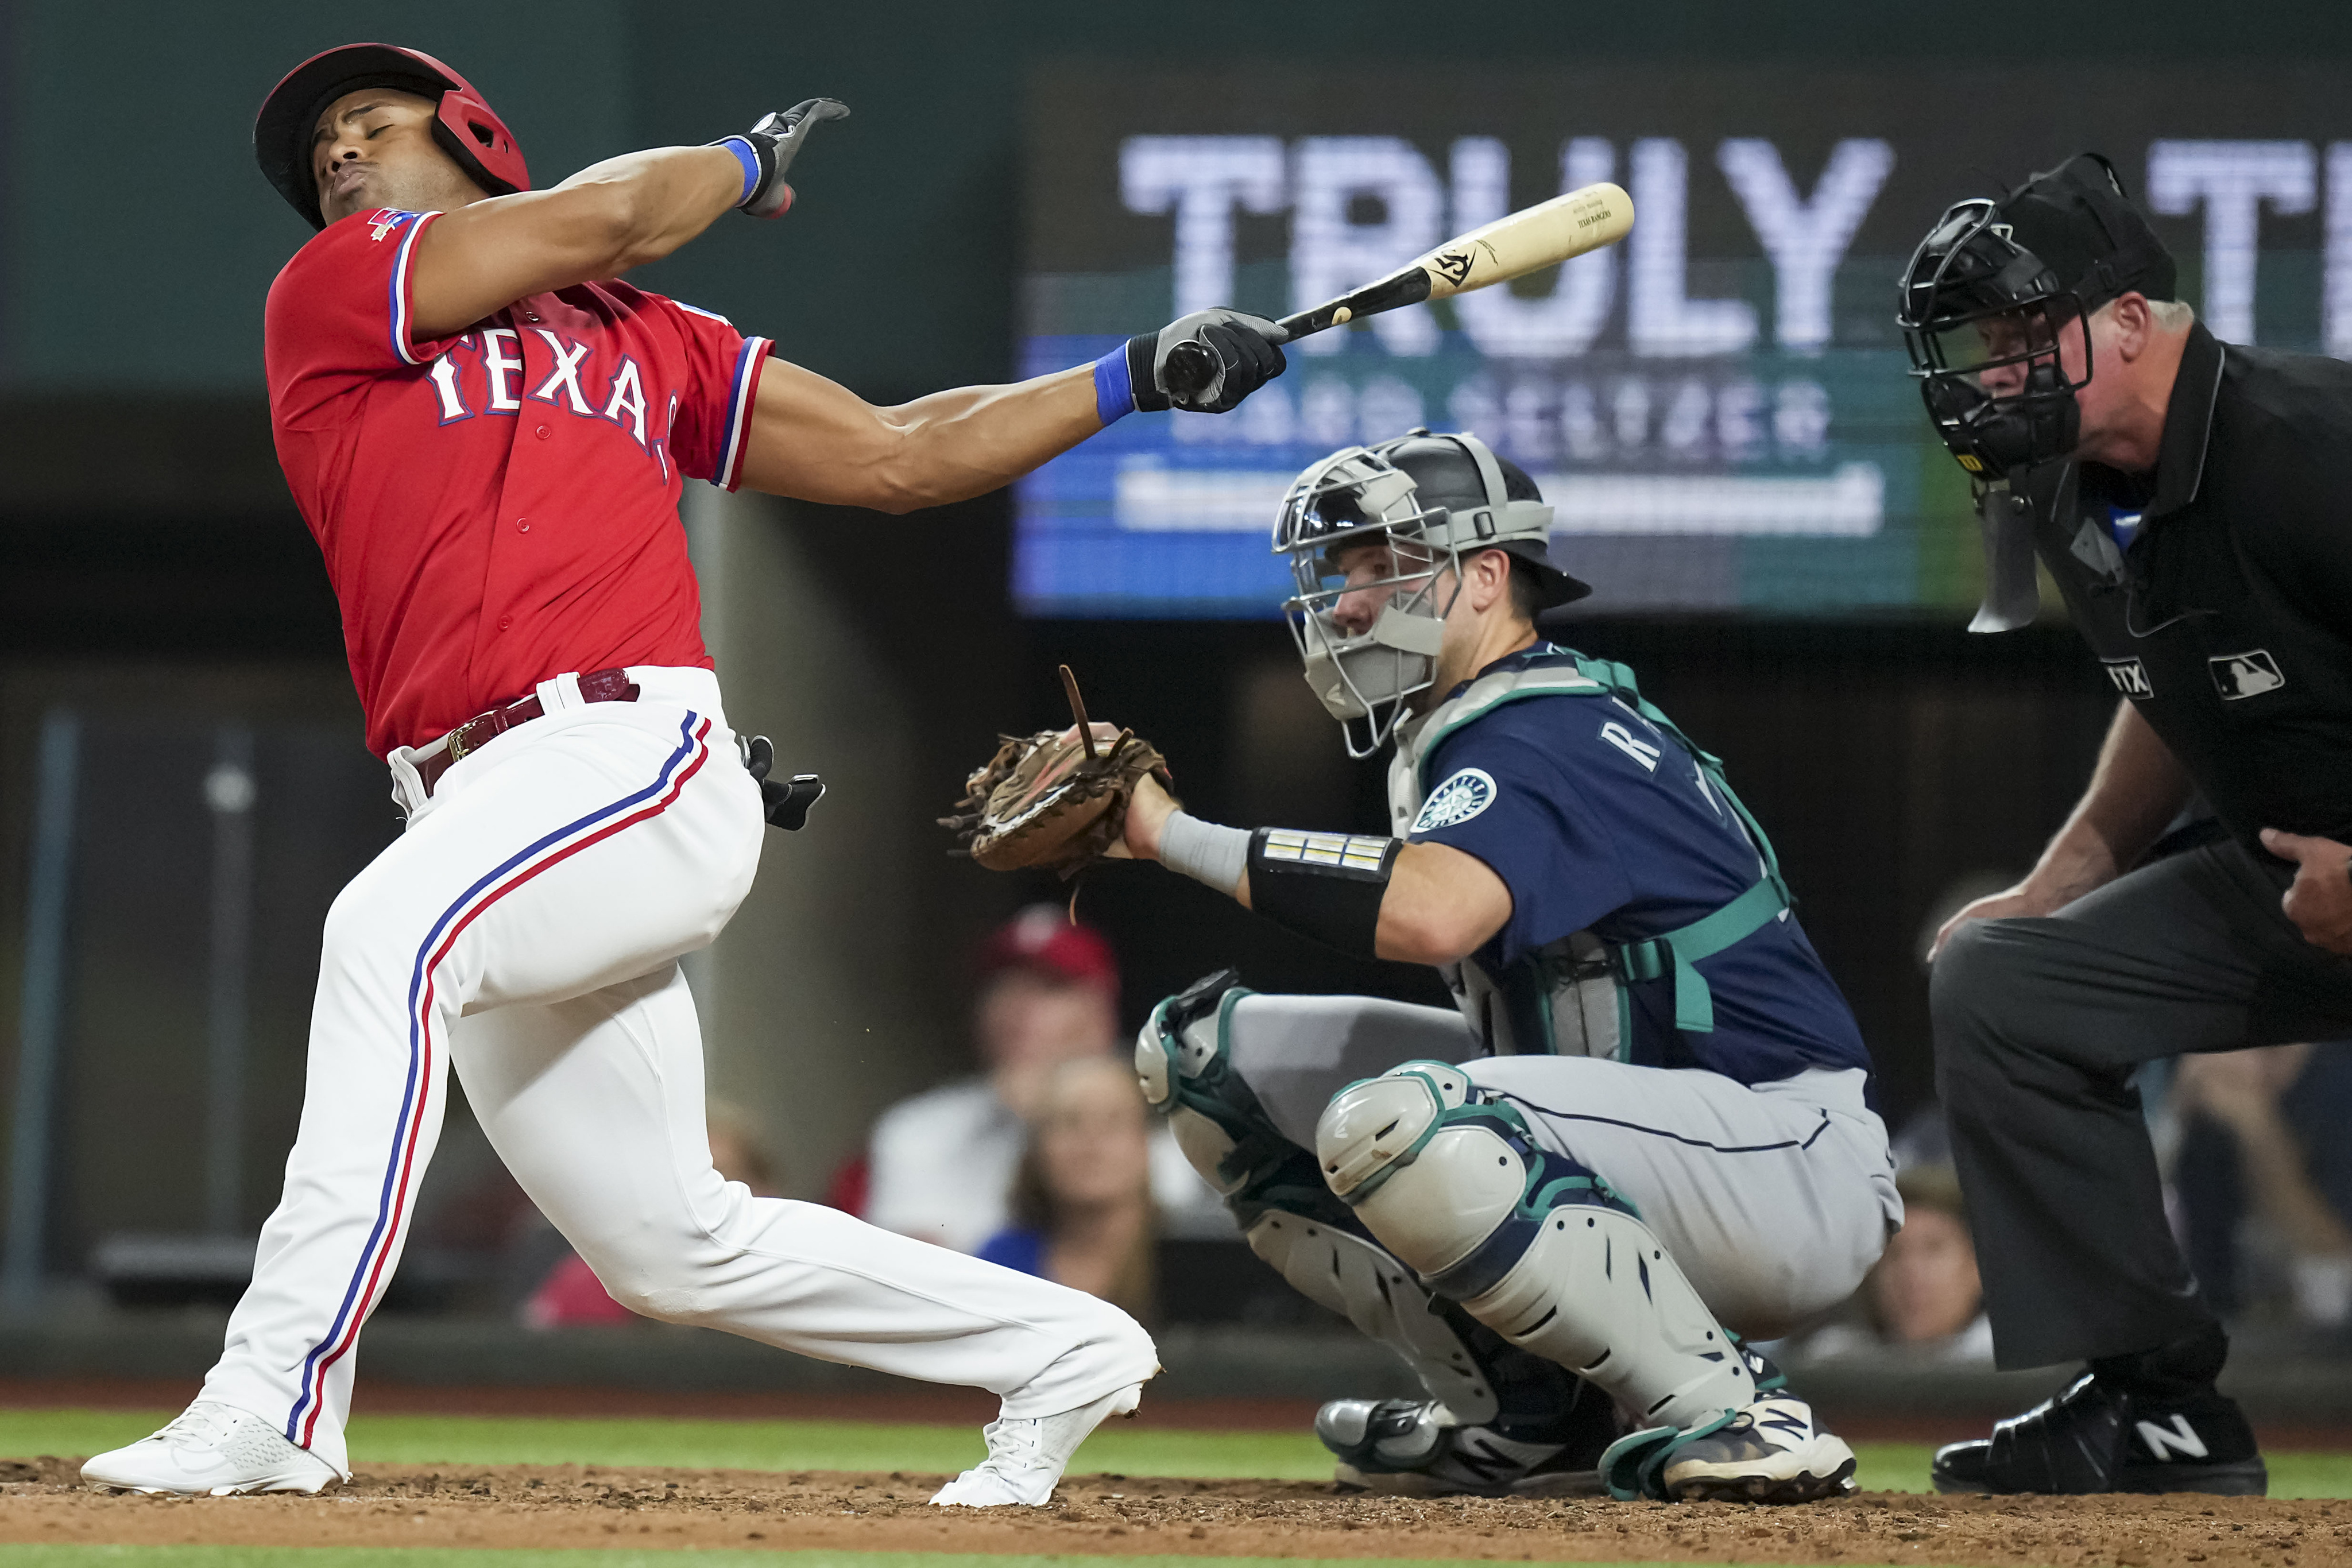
x,y
871,1446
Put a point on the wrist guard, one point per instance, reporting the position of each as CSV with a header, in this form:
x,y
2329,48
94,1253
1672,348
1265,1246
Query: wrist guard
x,y
1327,887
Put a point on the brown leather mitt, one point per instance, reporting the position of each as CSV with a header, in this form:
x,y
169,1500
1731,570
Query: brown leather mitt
x,y
1055,799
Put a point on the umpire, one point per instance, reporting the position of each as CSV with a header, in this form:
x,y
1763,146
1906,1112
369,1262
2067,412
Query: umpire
x,y
2190,499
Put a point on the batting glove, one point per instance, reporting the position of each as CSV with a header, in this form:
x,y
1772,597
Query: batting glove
x,y
768,149
1203,363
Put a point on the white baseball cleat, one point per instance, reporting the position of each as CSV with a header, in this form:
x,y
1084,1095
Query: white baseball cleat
x,y
212,1450
1026,1458
1770,1451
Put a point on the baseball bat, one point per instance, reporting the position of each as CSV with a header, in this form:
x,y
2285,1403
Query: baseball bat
x,y
1511,246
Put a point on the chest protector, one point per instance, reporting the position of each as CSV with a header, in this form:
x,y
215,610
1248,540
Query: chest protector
x,y
1571,997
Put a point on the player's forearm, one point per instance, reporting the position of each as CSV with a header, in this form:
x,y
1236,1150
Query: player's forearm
x,y
653,201
953,446
2137,787
1414,904
596,226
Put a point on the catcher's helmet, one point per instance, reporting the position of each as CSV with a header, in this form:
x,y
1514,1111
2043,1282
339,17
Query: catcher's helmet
x,y
1433,499
466,126
2001,282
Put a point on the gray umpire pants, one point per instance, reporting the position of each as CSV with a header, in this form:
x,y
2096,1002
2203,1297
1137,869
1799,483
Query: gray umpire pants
x,y
2039,1024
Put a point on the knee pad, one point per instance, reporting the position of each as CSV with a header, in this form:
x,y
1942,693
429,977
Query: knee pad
x,y
1186,1073
1531,1244
1286,1214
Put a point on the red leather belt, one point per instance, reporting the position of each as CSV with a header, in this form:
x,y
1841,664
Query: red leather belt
x,y
599,687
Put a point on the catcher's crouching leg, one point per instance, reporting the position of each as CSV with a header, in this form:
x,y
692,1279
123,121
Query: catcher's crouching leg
x,y
1541,1250
1497,1419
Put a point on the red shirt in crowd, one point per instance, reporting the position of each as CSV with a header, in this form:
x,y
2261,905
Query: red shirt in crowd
x,y
499,505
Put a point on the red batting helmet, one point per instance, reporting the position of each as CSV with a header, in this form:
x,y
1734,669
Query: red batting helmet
x,y
468,128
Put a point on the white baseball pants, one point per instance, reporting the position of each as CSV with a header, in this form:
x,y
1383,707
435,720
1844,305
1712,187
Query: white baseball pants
x,y
526,930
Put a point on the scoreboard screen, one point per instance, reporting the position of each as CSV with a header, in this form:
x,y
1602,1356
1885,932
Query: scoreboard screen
x,y
1718,408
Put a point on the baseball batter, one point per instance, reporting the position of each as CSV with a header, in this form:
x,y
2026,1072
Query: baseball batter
x,y
488,435
1648,1129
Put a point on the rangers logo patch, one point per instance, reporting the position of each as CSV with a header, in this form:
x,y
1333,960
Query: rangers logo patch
x,y
1456,800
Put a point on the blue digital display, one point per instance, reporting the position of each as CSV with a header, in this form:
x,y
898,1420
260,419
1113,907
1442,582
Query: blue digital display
x,y
1718,409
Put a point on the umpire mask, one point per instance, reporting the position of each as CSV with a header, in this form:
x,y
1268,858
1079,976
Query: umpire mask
x,y
1429,500
1995,301
2000,290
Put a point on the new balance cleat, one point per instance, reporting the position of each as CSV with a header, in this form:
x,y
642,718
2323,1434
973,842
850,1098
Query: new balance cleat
x,y
212,1450
1769,1452
1415,1448
1026,1458
2097,1437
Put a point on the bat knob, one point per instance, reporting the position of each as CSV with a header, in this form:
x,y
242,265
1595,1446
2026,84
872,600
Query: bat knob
x,y
1192,371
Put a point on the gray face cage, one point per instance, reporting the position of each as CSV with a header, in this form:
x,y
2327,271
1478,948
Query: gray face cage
x,y
1357,497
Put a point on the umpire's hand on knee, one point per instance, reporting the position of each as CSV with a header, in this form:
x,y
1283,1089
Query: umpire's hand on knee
x,y
2015,901
2320,901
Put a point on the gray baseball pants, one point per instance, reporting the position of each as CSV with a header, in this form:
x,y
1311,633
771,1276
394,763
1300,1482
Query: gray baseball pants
x,y
1775,1199
2039,1024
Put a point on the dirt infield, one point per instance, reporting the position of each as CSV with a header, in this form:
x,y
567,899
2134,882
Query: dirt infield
x,y
40,1500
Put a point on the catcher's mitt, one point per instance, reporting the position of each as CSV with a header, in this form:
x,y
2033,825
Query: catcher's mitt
x,y
1052,800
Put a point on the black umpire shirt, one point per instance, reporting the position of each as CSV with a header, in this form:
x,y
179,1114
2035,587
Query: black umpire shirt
x,y
2217,589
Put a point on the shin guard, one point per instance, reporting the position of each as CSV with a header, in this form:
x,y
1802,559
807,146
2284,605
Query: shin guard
x,y
1531,1244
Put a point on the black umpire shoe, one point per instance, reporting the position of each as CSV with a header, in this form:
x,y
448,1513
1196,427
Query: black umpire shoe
x,y
2147,1423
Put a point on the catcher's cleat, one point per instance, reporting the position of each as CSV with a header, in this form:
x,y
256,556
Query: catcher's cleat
x,y
2102,1437
1770,1451
1026,1458
1415,1448
211,1451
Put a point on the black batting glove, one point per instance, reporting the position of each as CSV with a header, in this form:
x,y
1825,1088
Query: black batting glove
x,y
768,149
1205,362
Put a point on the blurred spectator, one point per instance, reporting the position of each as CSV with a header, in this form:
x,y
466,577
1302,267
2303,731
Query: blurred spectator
x,y
1924,1300
571,1294
939,1166
1081,1201
2262,1178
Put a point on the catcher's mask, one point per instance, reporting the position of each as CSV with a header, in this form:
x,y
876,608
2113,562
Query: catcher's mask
x,y
465,126
1430,500
1997,289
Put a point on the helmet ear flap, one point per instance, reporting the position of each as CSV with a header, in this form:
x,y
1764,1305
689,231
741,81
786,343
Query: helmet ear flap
x,y
472,133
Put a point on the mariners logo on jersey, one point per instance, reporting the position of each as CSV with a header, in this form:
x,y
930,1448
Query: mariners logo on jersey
x,y
1456,800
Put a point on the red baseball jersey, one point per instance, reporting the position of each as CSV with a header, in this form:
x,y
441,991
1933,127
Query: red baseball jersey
x,y
499,505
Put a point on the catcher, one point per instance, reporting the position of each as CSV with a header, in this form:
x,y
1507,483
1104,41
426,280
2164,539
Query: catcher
x,y
1647,1132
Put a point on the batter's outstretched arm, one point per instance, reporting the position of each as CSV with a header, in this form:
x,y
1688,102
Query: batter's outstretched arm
x,y
814,440
609,217
2137,789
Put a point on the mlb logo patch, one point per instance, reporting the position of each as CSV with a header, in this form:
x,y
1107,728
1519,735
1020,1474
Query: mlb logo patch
x,y
2130,677
2240,675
